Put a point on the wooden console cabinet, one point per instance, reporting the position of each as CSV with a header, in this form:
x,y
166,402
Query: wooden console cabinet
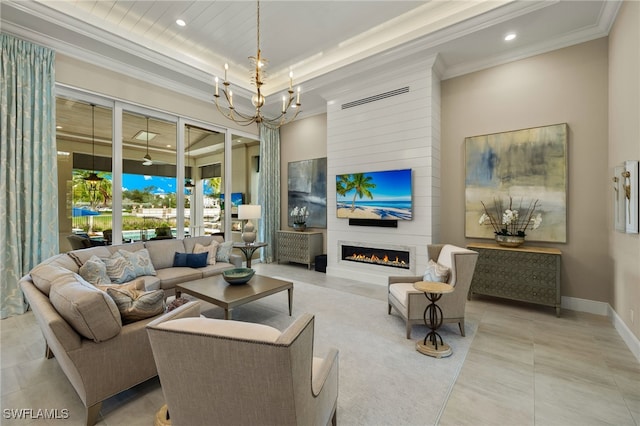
x,y
299,247
528,274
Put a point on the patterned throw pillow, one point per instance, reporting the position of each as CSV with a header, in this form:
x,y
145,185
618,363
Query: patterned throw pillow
x,y
140,261
176,303
224,251
94,271
212,249
119,269
436,272
135,305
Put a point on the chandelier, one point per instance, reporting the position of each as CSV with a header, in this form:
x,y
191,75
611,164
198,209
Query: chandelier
x,y
258,99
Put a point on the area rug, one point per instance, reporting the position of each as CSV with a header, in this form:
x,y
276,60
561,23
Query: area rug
x,y
383,380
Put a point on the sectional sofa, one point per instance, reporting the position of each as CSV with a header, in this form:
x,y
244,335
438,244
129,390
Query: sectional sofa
x,y
101,353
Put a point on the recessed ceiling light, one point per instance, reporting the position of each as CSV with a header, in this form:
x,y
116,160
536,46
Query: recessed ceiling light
x,y
168,146
509,37
180,22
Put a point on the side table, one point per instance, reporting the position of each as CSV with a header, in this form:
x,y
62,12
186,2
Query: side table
x,y
433,291
248,249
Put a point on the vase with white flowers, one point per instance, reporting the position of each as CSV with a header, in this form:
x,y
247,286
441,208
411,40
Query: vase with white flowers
x,y
299,215
510,223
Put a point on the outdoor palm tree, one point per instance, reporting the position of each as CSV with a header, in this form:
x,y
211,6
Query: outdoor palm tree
x,y
362,185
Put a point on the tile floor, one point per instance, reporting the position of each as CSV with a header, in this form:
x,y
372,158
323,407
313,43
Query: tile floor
x,y
525,367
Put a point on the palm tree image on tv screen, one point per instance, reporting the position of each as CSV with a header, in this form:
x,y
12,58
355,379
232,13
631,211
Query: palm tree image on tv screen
x,y
382,195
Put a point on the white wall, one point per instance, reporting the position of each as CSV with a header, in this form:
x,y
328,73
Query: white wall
x,y
398,132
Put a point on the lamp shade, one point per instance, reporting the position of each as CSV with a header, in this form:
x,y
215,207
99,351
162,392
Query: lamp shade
x,y
249,211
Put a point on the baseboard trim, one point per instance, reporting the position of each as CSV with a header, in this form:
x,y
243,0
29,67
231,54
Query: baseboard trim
x,y
585,305
627,335
605,309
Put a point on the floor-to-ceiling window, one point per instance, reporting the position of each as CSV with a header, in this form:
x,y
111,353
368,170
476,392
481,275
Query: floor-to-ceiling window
x,y
84,167
145,161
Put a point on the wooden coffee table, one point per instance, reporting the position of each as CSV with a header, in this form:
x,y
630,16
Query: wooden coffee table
x,y
217,291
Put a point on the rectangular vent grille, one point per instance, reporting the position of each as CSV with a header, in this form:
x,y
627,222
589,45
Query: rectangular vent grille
x,y
374,98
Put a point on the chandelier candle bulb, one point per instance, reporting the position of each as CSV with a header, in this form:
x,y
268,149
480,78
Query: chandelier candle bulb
x,y
284,109
226,68
230,98
290,80
298,98
217,87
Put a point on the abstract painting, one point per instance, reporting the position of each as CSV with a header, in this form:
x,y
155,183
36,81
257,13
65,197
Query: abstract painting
x,y
526,165
307,187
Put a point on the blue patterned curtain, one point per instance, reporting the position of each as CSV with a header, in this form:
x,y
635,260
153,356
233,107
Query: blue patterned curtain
x,y
28,175
269,190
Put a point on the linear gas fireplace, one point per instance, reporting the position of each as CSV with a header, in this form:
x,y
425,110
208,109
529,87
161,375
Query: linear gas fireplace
x,y
393,258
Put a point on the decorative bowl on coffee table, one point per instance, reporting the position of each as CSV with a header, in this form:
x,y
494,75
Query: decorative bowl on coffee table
x,y
238,275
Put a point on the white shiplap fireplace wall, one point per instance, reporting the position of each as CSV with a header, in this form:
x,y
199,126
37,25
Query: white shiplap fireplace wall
x,y
398,132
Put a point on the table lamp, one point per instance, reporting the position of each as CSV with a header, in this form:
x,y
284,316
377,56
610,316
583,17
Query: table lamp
x,y
248,212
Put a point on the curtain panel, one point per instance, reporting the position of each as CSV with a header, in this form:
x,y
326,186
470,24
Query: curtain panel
x,y
269,190
29,175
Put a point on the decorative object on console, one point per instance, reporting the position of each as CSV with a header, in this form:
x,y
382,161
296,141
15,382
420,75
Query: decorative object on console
x,y
629,186
258,99
307,186
299,215
238,275
389,192
248,212
509,225
528,163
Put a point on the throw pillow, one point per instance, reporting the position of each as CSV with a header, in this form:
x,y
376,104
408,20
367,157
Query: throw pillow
x,y
140,261
211,249
224,251
436,272
95,271
135,305
191,260
91,312
176,303
119,269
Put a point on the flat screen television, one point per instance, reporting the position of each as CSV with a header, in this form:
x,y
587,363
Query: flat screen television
x,y
237,198
383,195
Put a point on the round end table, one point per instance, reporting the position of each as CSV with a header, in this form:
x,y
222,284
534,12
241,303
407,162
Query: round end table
x,y
433,291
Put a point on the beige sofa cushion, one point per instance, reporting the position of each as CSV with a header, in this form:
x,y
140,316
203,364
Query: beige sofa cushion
x,y
90,311
45,274
162,251
169,277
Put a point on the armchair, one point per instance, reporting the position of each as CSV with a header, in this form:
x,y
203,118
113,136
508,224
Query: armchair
x,y
411,303
231,372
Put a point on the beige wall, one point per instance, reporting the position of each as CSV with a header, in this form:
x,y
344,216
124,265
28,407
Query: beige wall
x,y
565,86
624,144
301,140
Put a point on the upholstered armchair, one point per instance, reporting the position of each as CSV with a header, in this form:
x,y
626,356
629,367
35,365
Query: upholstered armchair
x,y
411,303
218,372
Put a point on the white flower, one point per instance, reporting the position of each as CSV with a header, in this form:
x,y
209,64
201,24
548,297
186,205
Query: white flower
x,y
536,221
483,218
299,214
509,216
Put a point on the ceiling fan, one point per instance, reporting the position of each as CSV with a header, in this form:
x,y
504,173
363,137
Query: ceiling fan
x,y
146,160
